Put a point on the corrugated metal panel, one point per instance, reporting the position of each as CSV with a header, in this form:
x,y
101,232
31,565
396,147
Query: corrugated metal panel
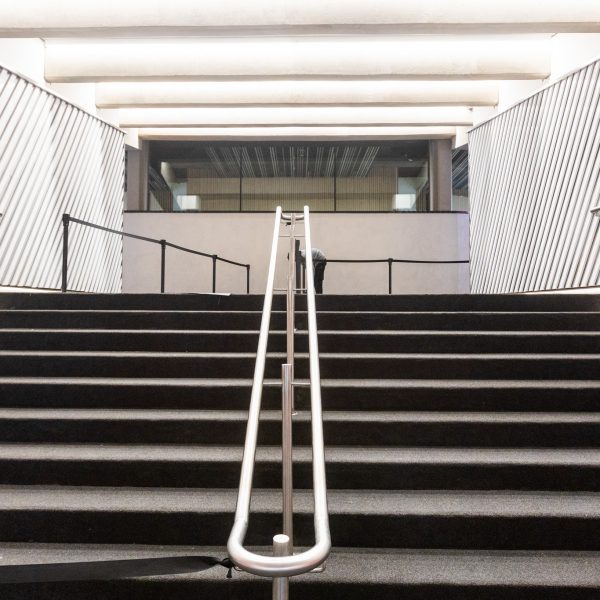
x,y
55,158
534,176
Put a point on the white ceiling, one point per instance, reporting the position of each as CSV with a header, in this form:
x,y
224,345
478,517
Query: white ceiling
x,y
310,69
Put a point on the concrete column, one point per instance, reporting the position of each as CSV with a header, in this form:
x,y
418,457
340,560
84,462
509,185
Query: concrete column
x,y
137,177
440,174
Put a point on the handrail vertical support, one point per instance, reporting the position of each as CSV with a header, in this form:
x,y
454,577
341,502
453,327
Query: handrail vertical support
x,y
214,273
247,279
65,254
286,453
298,259
290,301
163,252
390,263
281,547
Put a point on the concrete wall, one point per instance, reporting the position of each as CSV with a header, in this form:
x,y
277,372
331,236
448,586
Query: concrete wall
x,y
246,237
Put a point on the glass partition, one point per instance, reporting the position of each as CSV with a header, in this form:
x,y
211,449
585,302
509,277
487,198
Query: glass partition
x,y
249,177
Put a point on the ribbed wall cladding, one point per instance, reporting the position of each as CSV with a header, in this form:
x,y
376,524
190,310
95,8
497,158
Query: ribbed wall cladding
x,y
55,158
533,180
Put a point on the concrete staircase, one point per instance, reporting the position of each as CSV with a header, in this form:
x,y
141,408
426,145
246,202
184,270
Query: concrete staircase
x,y
462,434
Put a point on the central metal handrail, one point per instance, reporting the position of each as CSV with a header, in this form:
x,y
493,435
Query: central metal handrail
x,y
284,566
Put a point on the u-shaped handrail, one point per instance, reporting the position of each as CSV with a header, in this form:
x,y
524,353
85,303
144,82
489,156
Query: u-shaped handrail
x,y
283,566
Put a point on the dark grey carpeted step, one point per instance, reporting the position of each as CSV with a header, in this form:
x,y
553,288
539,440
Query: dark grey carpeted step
x,y
227,320
338,394
347,467
459,366
383,573
161,302
368,366
461,429
137,319
432,302
487,520
329,341
452,437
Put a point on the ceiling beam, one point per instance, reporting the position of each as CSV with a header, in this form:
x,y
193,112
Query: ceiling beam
x,y
295,93
110,18
363,57
297,133
294,116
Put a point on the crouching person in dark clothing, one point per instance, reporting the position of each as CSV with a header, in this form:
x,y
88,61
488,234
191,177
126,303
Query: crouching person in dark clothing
x,y
319,264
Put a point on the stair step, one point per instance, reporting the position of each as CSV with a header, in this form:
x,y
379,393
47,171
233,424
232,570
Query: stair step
x,y
409,519
384,573
338,394
347,467
461,432
464,429
431,302
364,320
329,341
369,366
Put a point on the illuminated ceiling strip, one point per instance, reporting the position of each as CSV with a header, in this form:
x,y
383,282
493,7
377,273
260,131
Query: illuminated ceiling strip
x,y
294,116
298,133
40,18
298,58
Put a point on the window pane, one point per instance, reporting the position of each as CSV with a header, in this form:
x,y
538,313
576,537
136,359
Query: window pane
x,y
258,176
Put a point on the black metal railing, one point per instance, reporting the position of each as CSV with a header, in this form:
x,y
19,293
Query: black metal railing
x,y
67,219
390,262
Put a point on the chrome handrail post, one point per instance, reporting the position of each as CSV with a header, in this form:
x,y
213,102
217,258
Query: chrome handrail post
x,y
281,547
286,453
290,300
65,255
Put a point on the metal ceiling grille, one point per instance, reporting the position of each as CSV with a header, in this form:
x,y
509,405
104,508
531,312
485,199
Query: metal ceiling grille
x,y
54,159
292,161
533,180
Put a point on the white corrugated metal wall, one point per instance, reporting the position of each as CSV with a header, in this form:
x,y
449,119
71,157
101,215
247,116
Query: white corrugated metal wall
x,y
55,158
534,176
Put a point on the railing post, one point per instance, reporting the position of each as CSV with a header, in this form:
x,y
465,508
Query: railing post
x,y
247,279
163,252
214,270
286,452
390,263
281,547
290,305
298,259
65,253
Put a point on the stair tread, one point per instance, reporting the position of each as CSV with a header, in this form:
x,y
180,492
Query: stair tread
x,y
304,355
506,504
128,311
369,566
83,414
326,383
331,332
340,454
258,311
